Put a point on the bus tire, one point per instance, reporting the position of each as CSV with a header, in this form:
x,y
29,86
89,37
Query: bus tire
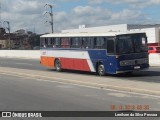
x,y
101,70
58,65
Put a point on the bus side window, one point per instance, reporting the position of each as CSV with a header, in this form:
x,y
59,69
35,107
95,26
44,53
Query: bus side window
x,y
49,42
110,46
88,42
45,43
42,42
65,42
85,43
75,42
91,42
99,43
57,43
53,42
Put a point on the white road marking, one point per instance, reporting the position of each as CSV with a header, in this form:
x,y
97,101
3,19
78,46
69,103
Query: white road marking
x,y
23,64
16,63
93,87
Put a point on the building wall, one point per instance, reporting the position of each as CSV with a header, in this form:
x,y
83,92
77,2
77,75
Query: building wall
x,y
152,32
5,44
121,27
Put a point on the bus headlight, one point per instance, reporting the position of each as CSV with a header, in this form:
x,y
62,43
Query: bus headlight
x,y
127,62
123,63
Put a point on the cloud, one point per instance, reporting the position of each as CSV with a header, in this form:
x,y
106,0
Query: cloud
x,y
132,3
23,14
94,16
27,14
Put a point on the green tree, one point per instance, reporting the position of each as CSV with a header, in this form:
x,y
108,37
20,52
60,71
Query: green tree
x,y
34,40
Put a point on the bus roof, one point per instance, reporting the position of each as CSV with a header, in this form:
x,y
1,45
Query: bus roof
x,y
85,34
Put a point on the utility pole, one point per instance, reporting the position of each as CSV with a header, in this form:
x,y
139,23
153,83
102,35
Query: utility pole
x,y
8,28
0,16
51,15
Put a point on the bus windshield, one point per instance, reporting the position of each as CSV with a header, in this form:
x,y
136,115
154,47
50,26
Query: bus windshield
x,y
126,44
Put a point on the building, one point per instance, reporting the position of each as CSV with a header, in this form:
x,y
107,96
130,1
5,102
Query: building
x,y
152,31
4,44
2,31
20,32
17,40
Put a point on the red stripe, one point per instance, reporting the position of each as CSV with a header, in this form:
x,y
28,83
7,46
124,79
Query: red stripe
x,y
74,64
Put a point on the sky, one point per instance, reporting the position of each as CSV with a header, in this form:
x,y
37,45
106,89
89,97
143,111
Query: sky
x,y
69,14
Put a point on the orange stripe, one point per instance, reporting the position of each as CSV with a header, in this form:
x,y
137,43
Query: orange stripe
x,y
47,61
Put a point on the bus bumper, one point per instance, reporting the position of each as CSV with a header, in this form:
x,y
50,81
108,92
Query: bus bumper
x,y
132,68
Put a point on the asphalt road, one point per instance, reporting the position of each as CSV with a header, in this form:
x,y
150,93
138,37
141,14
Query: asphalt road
x,y
26,94
20,93
151,75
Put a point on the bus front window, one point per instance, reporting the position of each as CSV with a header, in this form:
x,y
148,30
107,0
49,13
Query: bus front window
x,y
124,45
144,44
131,44
140,43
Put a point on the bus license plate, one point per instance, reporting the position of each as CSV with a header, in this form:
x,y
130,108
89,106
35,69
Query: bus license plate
x,y
137,67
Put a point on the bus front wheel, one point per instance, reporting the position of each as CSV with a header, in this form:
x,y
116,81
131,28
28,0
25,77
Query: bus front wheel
x,y
101,70
58,65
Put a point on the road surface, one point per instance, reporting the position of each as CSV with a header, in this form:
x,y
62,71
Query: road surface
x,y
20,93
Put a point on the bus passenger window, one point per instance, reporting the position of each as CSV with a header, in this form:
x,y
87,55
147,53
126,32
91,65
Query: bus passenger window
x,y
53,42
45,43
42,42
49,42
84,43
57,42
75,43
110,46
100,43
65,42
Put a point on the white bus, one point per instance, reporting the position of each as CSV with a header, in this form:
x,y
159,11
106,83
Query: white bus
x,y
103,53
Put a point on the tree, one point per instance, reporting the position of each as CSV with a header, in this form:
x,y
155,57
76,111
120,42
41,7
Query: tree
x,y
34,40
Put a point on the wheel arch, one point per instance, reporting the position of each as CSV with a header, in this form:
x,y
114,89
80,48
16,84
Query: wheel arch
x,y
98,63
56,60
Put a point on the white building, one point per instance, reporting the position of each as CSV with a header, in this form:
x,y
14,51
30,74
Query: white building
x,y
152,31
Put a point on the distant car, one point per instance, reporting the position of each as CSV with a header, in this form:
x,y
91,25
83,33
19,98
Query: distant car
x,y
153,49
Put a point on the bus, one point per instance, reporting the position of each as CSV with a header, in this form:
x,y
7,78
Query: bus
x,y
103,53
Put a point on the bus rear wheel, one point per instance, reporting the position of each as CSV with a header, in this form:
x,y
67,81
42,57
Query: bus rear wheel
x,y
58,65
101,70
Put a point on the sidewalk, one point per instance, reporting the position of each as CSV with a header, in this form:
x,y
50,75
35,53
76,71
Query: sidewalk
x,y
106,82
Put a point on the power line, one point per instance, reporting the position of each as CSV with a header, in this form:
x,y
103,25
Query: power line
x,y
0,16
51,15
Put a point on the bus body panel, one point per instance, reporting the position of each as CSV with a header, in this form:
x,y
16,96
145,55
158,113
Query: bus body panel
x,y
75,64
111,65
100,56
70,59
87,60
47,61
85,51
